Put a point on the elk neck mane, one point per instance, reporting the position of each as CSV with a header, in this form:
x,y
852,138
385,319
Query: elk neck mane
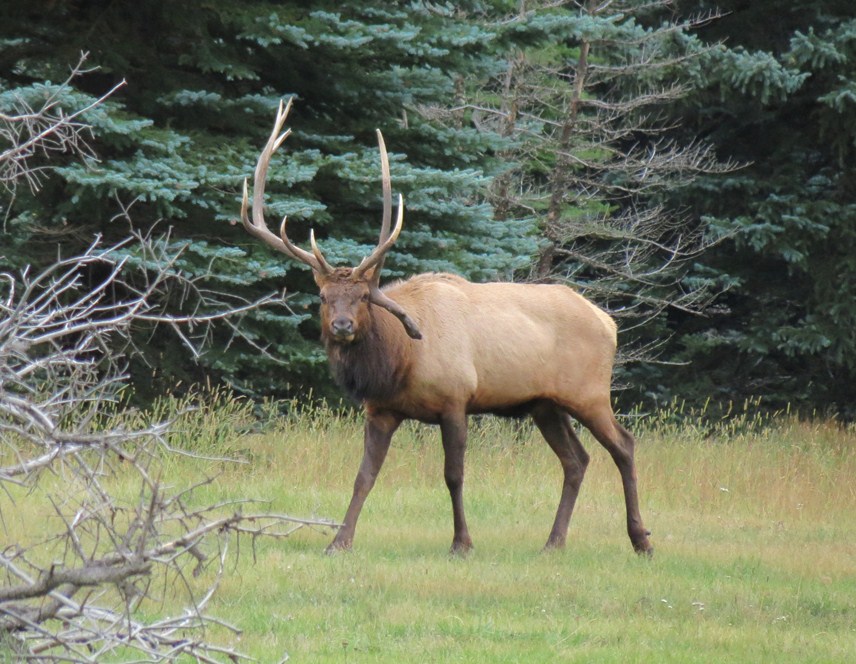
x,y
374,367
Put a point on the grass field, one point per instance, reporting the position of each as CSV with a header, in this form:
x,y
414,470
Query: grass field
x,y
754,527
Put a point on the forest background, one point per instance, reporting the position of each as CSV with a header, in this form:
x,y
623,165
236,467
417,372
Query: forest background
x,y
691,166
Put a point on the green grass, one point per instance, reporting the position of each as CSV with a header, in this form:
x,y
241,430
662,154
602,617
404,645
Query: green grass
x,y
753,525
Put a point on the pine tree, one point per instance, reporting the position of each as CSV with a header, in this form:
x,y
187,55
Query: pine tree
x,y
175,143
779,95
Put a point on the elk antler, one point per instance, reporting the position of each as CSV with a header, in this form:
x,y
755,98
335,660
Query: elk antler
x,y
386,183
377,297
258,227
375,259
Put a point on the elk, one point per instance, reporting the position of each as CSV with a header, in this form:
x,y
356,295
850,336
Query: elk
x,y
436,348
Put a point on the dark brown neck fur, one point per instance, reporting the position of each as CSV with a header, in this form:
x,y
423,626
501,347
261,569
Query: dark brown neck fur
x,y
375,366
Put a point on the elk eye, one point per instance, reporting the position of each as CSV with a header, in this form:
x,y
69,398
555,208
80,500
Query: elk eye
x,y
323,299
364,297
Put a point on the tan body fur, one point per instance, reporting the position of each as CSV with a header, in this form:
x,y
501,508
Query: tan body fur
x,y
498,345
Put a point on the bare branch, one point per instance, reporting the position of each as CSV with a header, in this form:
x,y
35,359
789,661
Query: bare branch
x,y
42,131
72,594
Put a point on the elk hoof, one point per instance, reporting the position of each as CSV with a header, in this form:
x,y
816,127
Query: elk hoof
x,y
461,549
554,545
639,539
337,547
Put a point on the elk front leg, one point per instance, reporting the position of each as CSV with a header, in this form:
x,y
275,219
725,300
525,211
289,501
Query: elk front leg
x,y
378,434
454,432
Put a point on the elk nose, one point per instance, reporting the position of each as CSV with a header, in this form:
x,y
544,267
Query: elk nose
x,y
342,327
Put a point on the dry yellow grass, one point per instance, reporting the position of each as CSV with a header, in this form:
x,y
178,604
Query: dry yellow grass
x,y
753,526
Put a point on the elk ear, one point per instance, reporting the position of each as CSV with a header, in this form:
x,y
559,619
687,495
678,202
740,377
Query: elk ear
x,y
377,298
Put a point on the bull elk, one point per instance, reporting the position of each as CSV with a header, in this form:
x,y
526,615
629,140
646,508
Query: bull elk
x,y
437,347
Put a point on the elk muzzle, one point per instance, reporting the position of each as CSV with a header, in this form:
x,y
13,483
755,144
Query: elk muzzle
x,y
342,329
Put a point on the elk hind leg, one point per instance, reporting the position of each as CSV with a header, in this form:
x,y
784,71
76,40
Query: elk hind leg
x,y
556,427
453,428
621,444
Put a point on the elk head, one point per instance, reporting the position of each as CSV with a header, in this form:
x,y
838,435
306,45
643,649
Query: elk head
x,y
346,293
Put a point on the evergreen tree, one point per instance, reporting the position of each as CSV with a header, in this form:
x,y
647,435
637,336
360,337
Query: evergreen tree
x,y
174,144
463,94
778,95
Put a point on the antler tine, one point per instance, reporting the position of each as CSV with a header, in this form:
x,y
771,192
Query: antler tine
x,y
376,257
316,261
386,183
317,252
258,227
